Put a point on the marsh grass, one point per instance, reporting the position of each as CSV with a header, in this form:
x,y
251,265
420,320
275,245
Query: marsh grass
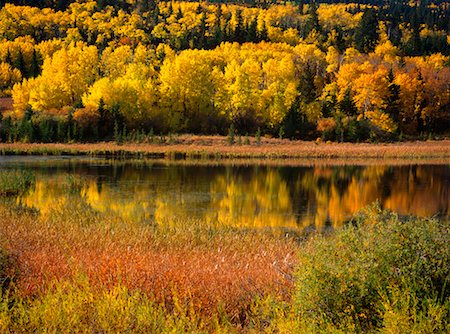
x,y
86,271
194,263
207,147
15,182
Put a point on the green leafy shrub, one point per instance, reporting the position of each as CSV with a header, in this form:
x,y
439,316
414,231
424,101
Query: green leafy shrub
x,y
15,182
377,274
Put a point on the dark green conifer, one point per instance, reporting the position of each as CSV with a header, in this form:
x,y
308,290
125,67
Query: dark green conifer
x,y
366,34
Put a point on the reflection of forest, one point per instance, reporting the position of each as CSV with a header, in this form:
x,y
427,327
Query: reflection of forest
x,y
244,196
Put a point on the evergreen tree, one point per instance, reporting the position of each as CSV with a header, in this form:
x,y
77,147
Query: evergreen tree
x,y
202,32
8,58
103,121
252,31
60,132
329,105
179,14
20,65
217,37
312,23
70,126
394,33
294,123
392,102
262,34
6,129
415,42
239,31
347,105
100,4
199,9
60,5
45,131
154,20
34,66
301,5
307,87
366,34
26,129
170,9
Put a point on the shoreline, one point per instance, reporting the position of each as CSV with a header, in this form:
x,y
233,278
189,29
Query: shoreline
x,y
216,147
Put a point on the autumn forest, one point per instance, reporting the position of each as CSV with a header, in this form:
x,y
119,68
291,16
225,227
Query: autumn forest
x,y
106,70
251,166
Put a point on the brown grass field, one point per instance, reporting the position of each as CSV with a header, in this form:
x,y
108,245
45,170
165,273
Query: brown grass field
x,y
190,146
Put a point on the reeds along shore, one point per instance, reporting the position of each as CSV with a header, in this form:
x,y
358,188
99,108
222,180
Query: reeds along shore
x,y
189,146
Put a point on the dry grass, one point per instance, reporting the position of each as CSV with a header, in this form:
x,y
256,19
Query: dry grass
x,y
201,266
218,147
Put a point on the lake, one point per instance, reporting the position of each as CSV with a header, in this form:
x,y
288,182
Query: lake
x,y
238,194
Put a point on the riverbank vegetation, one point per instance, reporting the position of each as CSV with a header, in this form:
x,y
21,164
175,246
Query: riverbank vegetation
x,y
103,70
219,147
81,270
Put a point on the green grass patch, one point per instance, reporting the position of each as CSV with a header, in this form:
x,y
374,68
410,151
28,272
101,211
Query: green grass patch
x,y
15,182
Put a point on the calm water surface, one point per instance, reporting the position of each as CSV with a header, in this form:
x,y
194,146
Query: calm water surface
x,y
316,197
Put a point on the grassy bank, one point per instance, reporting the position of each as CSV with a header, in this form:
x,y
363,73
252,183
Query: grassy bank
x,y
188,146
78,270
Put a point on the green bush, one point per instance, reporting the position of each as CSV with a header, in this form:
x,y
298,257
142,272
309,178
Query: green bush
x,y
380,272
15,182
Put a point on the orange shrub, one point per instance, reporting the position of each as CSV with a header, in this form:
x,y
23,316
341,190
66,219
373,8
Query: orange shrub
x,y
86,116
326,125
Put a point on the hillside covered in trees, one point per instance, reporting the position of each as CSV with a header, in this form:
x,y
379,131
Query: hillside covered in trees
x,y
96,70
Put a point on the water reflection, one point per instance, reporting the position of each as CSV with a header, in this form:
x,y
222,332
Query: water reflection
x,y
242,196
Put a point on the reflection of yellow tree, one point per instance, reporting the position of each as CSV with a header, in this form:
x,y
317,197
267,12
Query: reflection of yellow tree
x,y
106,199
330,201
253,198
262,200
419,192
360,192
142,195
46,196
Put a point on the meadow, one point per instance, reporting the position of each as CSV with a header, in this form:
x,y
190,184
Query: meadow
x,y
79,270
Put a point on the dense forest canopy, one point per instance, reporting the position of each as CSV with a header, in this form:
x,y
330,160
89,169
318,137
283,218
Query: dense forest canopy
x,y
90,70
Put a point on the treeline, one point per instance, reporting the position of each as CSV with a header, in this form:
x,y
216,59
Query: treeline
x,y
295,92
335,71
